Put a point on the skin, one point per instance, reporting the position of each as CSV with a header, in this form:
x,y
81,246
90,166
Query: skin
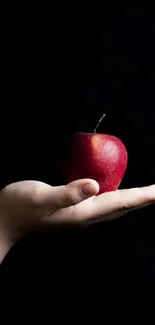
x,y
31,205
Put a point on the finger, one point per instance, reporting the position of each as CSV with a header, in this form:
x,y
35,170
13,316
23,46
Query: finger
x,y
114,215
67,195
110,204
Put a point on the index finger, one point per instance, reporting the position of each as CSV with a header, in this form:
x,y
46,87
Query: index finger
x,y
115,203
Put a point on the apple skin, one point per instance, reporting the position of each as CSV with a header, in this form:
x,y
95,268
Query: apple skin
x,y
101,157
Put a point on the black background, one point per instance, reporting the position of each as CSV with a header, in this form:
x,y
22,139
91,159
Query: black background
x,y
59,77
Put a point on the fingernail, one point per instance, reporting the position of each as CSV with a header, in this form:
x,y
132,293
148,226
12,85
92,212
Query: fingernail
x,y
89,189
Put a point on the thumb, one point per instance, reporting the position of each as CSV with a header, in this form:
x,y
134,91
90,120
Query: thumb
x,y
64,196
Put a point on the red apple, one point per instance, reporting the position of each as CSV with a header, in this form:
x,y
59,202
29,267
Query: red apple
x,y
102,157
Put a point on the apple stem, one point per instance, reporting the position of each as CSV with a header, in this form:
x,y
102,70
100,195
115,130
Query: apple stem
x,y
99,122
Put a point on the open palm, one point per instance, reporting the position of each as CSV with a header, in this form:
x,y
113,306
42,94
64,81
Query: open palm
x,y
27,205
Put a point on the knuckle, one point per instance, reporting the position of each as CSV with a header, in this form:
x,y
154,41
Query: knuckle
x,y
124,207
124,201
68,197
34,197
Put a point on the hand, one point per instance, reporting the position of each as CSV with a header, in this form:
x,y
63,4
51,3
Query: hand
x,y
27,205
